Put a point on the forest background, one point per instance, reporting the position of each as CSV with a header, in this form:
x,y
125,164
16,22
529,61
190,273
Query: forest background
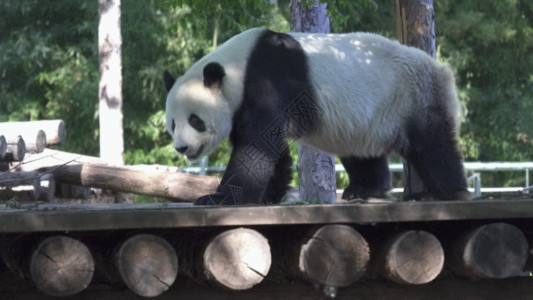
x,y
49,66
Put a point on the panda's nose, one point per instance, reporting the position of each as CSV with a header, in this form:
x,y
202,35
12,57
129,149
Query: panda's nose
x,y
182,149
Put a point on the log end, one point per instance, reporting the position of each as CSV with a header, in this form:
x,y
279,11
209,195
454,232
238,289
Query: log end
x,y
61,266
237,259
335,255
147,264
413,257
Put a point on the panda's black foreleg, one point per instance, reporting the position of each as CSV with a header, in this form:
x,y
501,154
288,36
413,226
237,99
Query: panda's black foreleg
x,y
251,177
369,177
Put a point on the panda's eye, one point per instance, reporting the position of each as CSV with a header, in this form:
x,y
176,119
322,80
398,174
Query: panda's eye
x,y
173,125
196,123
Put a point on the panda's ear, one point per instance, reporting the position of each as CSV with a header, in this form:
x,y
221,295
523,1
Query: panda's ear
x,y
213,74
168,80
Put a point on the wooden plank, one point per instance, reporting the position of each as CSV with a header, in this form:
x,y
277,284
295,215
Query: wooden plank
x,y
57,217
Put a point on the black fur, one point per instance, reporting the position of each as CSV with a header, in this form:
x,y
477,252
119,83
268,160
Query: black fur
x,y
369,177
278,103
276,88
168,80
213,74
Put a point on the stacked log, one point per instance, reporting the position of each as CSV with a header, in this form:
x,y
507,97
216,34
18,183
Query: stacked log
x,y
329,255
236,259
57,265
411,257
147,264
497,250
15,149
3,147
54,131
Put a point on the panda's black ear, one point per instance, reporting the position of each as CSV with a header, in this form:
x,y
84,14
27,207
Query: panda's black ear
x,y
213,74
168,80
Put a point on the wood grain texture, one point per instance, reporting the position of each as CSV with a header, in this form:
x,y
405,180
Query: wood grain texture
x,y
61,266
412,257
496,250
147,264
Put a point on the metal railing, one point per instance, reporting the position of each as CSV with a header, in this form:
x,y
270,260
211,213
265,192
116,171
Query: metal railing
x,y
472,168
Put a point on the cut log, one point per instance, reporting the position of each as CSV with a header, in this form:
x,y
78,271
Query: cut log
x,y
35,140
411,257
497,250
150,180
3,147
331,255
236,259
57,265
54,130
147,181
147,264
15,149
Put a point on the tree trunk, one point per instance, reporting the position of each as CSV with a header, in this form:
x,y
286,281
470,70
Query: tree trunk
x,y
316,169
415,26
110,87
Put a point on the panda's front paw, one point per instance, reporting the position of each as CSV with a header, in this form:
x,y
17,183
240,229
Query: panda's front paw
x,y
213,199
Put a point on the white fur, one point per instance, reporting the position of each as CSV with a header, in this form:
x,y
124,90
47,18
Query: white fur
x,y
215,107
366,86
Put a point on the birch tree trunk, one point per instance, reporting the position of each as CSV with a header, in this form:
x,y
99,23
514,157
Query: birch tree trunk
x,y
316,169
110,87
415,26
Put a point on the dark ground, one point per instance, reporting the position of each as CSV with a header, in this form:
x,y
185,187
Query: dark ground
x,y
446,288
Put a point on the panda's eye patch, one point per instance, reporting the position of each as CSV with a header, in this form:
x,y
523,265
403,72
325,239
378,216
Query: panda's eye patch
x,y
196,123
173,125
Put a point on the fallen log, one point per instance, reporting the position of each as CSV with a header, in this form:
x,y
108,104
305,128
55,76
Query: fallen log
x,y
411,257
139,180
57,265
236,259
497,250
15,149
150,180
54,130
330,255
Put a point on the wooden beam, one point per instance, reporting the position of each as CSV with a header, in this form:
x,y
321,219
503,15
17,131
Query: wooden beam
x,y
60,217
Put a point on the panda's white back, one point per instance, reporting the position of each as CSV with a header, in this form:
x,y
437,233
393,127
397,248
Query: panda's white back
x,y
359,87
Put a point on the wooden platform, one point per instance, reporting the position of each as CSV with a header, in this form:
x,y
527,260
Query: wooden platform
x,y
58,217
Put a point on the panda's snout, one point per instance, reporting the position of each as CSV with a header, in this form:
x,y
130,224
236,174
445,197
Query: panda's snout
x,y
182,149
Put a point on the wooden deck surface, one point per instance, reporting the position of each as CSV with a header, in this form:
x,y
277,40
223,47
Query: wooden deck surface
x,y
62,217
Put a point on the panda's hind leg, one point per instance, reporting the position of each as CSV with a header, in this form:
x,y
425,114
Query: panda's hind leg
x,y
369,177
434,154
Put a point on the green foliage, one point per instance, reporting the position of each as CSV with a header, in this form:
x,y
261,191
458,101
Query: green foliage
x,y
49,65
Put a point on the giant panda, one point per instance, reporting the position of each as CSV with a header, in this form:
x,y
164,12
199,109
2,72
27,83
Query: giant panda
x,y
359,96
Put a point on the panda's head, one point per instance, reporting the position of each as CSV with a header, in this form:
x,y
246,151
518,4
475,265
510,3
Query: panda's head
x,y
198,116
